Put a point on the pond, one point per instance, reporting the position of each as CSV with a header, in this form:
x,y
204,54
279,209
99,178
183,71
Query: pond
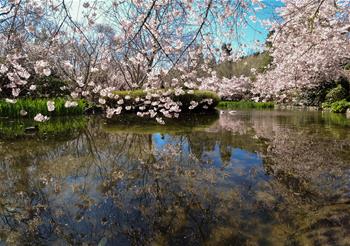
x,y
231,178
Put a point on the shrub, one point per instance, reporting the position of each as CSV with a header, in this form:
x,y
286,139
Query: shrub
x,y
35,106
336,94
197,96
316,95
185,99
46,87
49,87
337,107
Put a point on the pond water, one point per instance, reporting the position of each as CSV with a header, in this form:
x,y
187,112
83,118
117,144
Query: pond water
x,y
231,178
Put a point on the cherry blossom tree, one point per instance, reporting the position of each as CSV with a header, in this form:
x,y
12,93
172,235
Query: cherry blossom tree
x,y
168,45
309,47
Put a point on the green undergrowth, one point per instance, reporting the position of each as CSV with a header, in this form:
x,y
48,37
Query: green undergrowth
x,y
337,107
185,99
245,105
60,127
35,106
244,66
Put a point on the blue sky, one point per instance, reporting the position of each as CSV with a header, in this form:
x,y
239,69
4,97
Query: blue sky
x,y
255,31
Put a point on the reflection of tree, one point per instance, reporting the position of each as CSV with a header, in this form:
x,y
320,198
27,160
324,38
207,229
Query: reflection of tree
x,y
123,188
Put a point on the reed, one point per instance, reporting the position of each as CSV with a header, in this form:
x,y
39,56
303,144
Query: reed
x,y
35,106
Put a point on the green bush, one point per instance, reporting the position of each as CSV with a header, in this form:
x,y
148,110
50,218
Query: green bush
x,y
244,105
197,96
49,87
315,96
133,94
35,106
336,94
337,107
46,87
185,99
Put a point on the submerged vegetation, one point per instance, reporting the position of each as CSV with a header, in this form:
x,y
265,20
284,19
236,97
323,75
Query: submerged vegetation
x,y
245,105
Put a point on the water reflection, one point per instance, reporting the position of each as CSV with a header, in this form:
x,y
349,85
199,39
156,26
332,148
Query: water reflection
x,y
244,178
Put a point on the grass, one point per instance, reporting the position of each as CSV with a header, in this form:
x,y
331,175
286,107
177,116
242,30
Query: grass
x,y
35,106
133,94
244,105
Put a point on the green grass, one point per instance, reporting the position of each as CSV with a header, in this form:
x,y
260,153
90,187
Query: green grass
x,y
35,106
337,107
244,105
133,94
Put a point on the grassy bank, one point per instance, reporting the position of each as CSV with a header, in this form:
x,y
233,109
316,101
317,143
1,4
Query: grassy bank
x,y
244,105
35,106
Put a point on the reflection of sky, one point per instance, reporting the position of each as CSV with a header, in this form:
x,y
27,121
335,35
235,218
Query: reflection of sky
x,y
238,157
161,140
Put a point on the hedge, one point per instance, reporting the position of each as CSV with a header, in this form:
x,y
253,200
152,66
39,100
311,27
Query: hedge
x,y
185,99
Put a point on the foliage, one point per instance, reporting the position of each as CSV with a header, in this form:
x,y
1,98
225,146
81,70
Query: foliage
x,y
40,87
32,107
336,94
197,96
247,66
337,107
49,87
133,94
244,105
172,45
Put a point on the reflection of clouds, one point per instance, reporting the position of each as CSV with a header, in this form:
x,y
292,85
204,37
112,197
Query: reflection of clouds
x,y
231,123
